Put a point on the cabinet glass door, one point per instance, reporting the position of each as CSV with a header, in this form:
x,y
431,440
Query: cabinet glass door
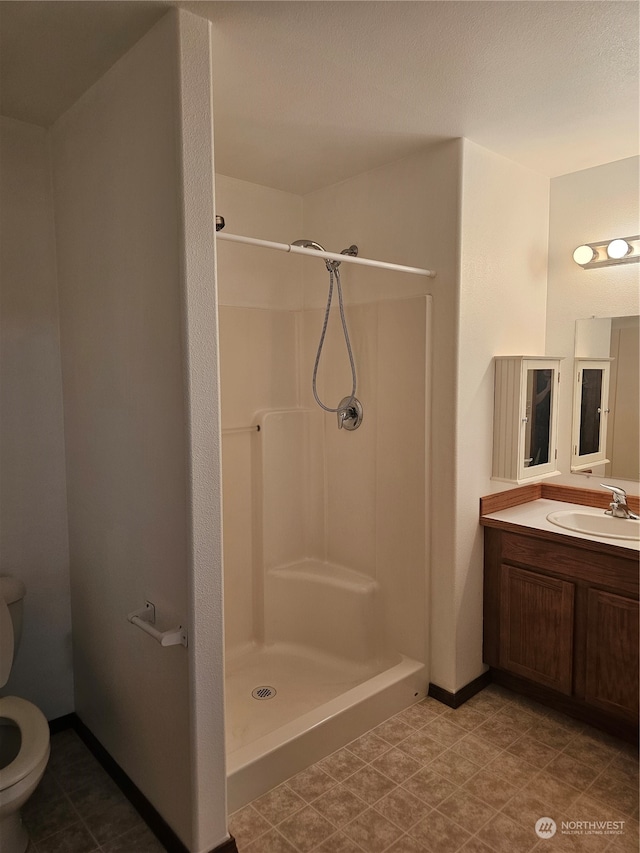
x,y
537,416
590,409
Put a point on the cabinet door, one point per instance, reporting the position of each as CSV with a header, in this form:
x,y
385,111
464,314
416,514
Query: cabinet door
x,y
536,627
612,653
590,411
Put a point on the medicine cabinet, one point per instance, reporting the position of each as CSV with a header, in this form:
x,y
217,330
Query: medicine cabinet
x,y
525,424
590,413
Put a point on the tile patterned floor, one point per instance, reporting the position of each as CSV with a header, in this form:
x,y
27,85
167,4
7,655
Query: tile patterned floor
x,y
429,780
77,808
437,780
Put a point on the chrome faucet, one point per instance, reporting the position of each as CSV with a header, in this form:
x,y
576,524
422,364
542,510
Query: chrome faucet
x,y
618,506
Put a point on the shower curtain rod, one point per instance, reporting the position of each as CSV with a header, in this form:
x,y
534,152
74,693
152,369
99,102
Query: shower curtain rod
x,y
334,256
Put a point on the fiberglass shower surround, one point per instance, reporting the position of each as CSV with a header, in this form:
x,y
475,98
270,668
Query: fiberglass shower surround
x,y
325,631
349,410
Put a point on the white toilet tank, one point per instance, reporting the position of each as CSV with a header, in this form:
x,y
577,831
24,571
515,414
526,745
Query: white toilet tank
x,y
12,592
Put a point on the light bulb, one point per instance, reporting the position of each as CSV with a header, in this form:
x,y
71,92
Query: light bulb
x,y
618,249
584,255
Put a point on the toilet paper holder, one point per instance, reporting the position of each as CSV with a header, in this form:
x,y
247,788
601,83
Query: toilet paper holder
x,y
145,618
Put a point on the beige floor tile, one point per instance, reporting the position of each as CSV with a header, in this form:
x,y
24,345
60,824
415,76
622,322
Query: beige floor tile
x,y
590,750
407,844
558,795
443,731
466,810
270,842
589,808
609,789
421,747
513,769
402,808
368,747
397,765
311,783
628,841
373,832
625,768
306,829
454,767
517,715
549,733
499,732
369,785
439,834
429,786
476,749
433,705
246,824
531,750
464,717
475,845
418,715
278,803
527,806
394,730
573,772
506,836
490,788
341,764
339,805
488,701
339,843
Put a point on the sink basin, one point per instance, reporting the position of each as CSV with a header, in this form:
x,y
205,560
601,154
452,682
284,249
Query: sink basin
x,y
596,523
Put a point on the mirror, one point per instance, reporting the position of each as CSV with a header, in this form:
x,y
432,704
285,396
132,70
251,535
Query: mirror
x,y
606,397
538,417
590,413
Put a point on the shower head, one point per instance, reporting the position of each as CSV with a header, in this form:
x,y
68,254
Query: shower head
x,y
332,266
309,244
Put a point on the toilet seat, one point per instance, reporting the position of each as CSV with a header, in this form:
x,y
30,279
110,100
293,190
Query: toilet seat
x,y
34,739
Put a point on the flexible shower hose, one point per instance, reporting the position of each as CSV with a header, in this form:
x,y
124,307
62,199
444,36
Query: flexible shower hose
x,y
334,270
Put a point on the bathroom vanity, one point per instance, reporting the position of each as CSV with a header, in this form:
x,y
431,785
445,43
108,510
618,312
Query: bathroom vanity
x,y
561,613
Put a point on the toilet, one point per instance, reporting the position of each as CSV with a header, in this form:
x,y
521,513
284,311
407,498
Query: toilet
x,y
24,731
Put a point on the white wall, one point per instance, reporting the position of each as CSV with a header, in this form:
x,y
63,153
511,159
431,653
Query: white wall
x,y
134,206
587,206
503,289
33,513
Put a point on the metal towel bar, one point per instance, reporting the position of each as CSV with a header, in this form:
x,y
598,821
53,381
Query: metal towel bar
x,y
145,618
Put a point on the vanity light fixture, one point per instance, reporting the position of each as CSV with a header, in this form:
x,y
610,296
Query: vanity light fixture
x,y
608,252
618,249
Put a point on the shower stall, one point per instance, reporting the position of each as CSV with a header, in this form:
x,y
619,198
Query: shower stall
x,y
325,566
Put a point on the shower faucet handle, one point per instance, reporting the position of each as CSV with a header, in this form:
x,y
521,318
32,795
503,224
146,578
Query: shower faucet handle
x,y
349,416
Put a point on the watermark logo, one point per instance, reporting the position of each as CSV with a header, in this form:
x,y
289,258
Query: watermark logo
x,y
545,827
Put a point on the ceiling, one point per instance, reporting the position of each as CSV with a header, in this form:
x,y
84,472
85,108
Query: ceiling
x,y
309,93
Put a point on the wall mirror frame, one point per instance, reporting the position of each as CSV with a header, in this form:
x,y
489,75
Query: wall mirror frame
x,y
614,341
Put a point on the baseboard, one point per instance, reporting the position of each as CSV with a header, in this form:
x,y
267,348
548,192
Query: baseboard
x,y
572,707
62,723
154,820
455,700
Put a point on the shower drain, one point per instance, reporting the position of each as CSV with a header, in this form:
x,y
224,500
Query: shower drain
x,y
263,692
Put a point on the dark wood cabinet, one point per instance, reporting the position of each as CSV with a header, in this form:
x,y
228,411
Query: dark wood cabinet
x,y
561,623
612,657
536,627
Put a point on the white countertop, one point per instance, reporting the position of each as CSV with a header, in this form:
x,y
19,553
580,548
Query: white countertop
x,y
534,514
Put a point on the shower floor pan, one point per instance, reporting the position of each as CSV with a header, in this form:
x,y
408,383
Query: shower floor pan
x,y
321,703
